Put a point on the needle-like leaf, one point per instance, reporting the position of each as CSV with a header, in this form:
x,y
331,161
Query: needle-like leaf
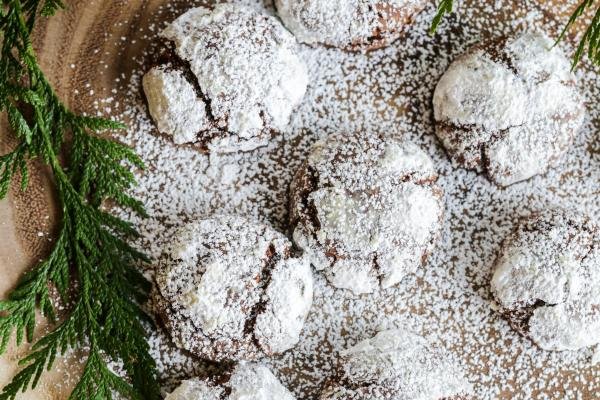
x,y
91,266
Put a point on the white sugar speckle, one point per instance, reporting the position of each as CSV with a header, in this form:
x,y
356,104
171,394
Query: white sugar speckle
x,y
248,381
448,300
547,280
596,356
248,72
353,25
509,108
366,209
229,289
396,364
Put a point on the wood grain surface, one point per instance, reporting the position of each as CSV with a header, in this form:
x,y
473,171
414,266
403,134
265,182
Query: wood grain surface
x,y
86,51
82,53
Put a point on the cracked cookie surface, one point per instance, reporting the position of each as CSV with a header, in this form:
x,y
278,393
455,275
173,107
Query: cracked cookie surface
x,y
509,108
348,24
247,381
232,80
547,280
229,289
365,209
396,365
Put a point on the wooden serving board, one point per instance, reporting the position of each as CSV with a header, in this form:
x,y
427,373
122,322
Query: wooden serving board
x,y
78,51
86,51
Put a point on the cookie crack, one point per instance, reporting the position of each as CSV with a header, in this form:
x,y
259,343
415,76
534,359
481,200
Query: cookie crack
x,y
259,307
307,182
377,269
479,146
497,53
168,58
519,317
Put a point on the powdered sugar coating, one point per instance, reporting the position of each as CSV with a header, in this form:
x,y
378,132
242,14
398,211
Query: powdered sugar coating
x,y
365,209
383,91
509,108
547,280
348,24
396,365
256,382
196,389
248,71
229,289
174,105
248,381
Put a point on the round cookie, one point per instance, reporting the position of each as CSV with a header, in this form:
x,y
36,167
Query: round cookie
x,y
547,280
509,108
365,209
396,365
229,289
227,79
247,381
348,24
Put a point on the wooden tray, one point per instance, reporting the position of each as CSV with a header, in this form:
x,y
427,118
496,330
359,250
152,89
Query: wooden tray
x,y
87,51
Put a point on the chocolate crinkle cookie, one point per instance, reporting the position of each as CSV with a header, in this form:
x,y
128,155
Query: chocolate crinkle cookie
x,y
226,79
396,365
230,289
247,381
509,108
547,280
366,210
348,24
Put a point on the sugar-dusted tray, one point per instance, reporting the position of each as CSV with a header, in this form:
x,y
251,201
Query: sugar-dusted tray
x,y
96,52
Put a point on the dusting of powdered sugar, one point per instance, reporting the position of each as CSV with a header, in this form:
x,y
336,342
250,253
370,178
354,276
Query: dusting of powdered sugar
x,y
509,108
365,209
396,364
248,71
248,381
174,104
228,288
194,389
348,24
550,266
387,91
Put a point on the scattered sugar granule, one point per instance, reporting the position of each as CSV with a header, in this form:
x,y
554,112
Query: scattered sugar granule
x,y
388,90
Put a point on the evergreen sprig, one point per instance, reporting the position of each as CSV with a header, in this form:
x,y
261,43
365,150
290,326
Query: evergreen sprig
x,y
591,36
91,266
445,7
590,39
